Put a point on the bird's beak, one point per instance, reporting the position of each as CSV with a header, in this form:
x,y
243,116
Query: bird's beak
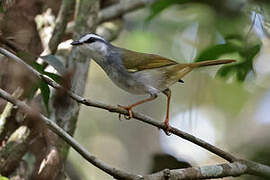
x,y
76,43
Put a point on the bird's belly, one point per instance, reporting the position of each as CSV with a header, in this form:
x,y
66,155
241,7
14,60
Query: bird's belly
x,y
127,82
156,80
151,81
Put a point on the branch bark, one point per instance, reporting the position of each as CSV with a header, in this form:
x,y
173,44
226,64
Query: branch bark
x,y
204,172
13,151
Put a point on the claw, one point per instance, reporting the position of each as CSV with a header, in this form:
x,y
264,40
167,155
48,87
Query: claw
x,y
129,109
168,128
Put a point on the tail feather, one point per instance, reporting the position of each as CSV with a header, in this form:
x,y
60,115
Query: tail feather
x,y
211,63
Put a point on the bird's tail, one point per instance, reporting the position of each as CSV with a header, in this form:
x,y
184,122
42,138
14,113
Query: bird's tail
x,y
210,63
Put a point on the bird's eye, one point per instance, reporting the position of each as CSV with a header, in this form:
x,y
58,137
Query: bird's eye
x,y
90,40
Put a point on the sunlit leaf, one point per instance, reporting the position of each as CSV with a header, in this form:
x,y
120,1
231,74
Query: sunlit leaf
x,y
3,178
55,63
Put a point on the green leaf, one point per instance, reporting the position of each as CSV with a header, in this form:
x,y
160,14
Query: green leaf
x,y
241,69
45,92
55,77
55,63
40,68
157,7
216,51
1,11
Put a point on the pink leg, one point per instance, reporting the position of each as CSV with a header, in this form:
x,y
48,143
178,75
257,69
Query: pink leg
x,y
129,108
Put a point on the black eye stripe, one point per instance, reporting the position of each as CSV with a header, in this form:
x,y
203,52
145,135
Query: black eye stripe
x,y
90,40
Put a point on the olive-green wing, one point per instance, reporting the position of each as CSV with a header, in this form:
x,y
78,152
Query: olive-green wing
x,y
135,61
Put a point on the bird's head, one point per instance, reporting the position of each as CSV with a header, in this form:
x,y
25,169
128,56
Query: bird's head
x,y
93,45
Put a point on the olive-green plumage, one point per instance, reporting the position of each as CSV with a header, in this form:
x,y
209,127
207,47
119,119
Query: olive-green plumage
x,y
135,61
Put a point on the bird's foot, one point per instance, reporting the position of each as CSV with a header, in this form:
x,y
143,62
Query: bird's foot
x,y
129,109
168,128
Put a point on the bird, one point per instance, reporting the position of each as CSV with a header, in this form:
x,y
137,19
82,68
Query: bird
x,y
136,72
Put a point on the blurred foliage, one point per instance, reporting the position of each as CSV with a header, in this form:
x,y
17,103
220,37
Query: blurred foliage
x,y
232,20
230,8
242,67
223,93
3,178
159,6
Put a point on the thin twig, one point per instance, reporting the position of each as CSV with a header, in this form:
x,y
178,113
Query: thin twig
x,y
139,116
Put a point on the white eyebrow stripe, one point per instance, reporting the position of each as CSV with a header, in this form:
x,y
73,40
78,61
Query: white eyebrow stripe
x,y
87,36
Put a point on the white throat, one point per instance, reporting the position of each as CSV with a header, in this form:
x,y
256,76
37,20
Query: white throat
x,y
98,50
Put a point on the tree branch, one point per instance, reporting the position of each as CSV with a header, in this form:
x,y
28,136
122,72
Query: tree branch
x,y
204,172
121,8
13,151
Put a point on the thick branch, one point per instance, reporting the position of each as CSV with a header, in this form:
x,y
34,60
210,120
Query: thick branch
x,y
139,116
205,172
257,169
